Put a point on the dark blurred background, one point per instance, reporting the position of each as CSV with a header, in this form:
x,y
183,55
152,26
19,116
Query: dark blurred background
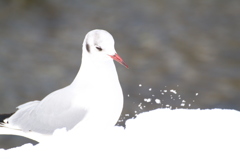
x,y
187,45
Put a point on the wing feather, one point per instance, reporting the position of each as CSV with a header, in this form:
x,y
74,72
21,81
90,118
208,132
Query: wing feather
x,y
53,112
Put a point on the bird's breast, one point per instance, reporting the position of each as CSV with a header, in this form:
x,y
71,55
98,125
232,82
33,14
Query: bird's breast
x,y
102,103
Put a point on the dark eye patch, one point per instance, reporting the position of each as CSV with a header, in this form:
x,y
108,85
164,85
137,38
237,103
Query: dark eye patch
x,y
99,48
88,47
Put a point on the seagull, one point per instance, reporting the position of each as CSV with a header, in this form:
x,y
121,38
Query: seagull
x,y
93,100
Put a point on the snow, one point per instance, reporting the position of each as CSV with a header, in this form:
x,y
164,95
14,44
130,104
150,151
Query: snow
x,y
147,100
173,91
183,103
161,133
158,101
140,105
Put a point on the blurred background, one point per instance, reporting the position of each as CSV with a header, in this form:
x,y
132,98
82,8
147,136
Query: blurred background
x,y
191,47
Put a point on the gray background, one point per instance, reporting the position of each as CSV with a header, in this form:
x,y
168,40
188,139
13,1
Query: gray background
x,y
187,45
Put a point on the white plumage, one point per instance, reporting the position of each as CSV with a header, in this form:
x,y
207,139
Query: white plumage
x,y
93,100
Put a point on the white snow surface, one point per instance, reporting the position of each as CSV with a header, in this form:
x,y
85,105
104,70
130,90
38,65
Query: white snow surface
x,y
161,133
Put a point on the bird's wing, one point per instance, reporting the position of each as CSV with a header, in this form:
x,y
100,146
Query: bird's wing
x,y
53,112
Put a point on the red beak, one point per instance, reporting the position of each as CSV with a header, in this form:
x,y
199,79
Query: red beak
x,y
117,58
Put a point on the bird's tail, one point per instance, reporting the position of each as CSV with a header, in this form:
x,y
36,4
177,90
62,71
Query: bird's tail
x,y
31,135
4,116
6,130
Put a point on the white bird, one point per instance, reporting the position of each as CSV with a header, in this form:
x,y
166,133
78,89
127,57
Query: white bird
x,y
93,99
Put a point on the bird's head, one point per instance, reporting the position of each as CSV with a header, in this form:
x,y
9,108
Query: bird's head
x,y
100,45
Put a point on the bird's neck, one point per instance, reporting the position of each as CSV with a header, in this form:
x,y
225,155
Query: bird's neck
x,y
93,71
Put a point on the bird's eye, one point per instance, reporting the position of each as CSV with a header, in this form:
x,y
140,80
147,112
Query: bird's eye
x,y
99,48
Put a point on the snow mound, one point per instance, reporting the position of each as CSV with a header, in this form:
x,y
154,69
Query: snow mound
x,y
162,133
